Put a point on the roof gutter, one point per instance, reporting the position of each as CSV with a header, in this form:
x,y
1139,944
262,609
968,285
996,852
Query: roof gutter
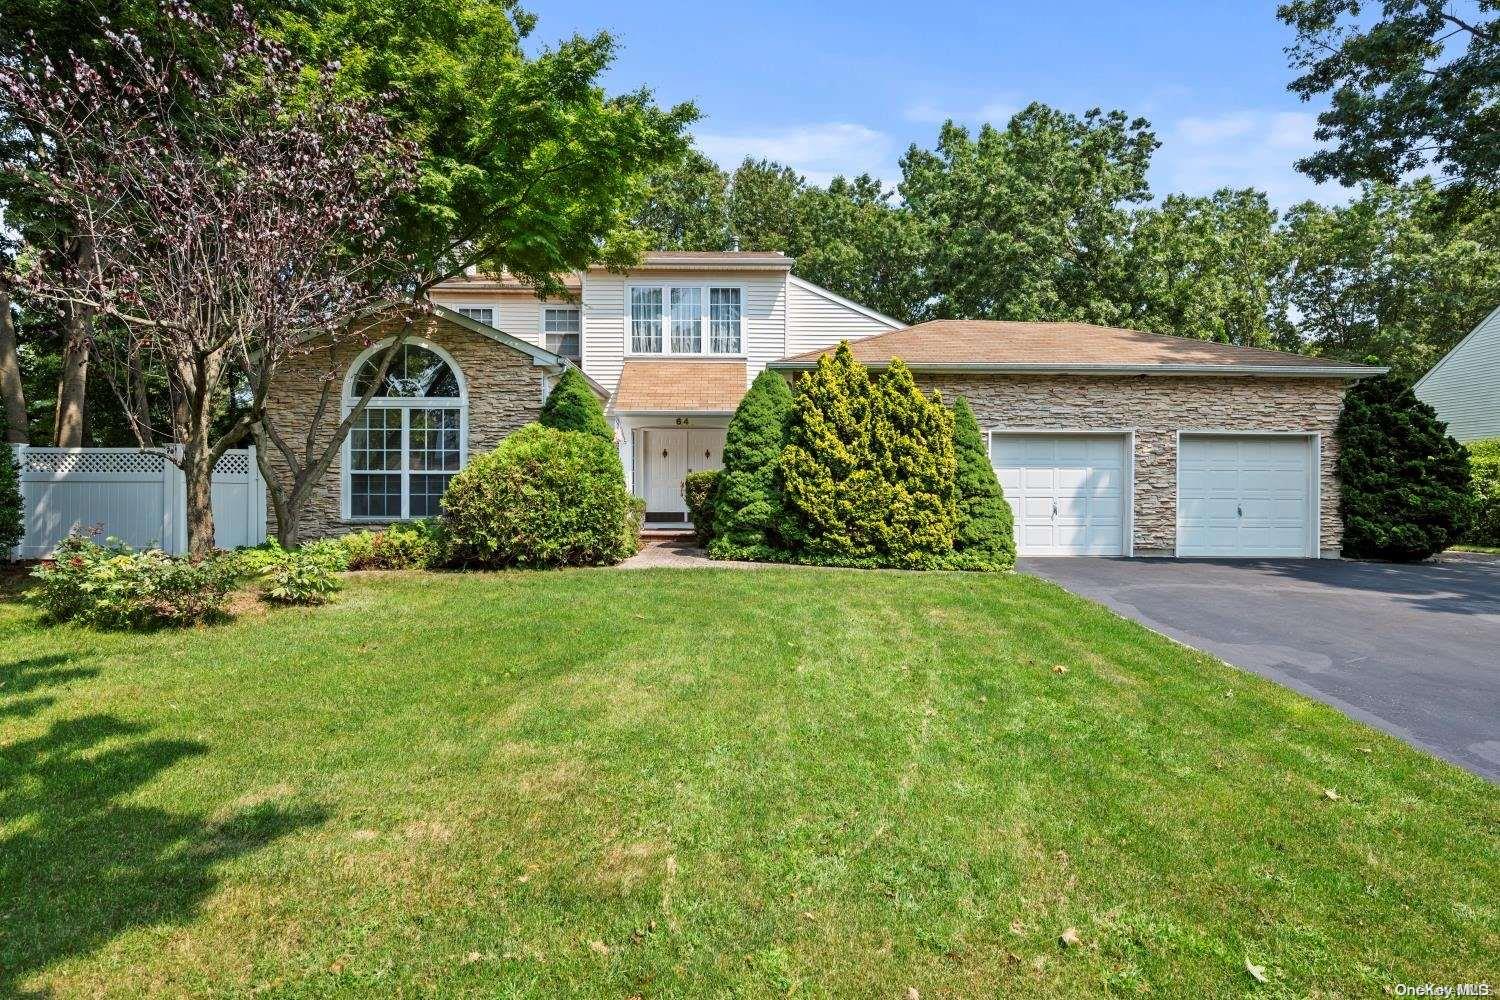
x,y
703,264
979,368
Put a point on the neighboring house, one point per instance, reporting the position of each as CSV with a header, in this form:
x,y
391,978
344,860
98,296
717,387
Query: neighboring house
x,y
1464,387
1095,433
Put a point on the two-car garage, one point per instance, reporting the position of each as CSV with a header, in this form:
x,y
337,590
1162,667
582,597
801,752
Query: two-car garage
x,y
1114,442
1237,495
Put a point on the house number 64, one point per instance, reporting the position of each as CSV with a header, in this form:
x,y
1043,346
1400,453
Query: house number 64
x,y
684,421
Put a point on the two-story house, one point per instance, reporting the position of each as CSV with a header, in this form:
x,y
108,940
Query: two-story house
x,y
1107,441
674,345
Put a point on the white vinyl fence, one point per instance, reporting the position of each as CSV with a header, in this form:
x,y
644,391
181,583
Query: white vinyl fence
x,y
137,496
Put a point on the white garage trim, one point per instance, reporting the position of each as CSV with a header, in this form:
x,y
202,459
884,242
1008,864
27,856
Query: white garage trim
x,y
1314,485
1128,490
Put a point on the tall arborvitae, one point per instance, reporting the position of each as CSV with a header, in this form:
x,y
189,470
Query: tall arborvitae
x,y
573,406
986,532
747,504
1404,487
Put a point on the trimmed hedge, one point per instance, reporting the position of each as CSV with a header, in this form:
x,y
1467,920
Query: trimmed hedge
x,y
1405,491
421,544
699,489
1484,467
572,406
544,498
747,504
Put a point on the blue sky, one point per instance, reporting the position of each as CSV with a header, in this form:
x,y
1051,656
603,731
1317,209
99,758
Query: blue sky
x,y
843,87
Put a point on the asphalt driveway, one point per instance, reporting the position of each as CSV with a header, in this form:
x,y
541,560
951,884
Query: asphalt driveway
x,y
1412,650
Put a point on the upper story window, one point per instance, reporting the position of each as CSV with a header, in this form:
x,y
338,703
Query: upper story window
x,y
481,314
686,319
562,327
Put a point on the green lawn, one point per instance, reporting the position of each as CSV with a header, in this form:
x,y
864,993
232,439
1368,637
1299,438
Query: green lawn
x,y
710,782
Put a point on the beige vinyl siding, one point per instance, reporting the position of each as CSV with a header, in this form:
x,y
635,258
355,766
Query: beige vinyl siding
x,y
517,313
606,317
817,319
1464,387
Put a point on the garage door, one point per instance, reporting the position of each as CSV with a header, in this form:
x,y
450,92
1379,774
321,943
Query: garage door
x,y
1245,496
1067,490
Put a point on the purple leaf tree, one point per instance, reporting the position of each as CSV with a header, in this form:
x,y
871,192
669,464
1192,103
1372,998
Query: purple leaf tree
x,y
228,213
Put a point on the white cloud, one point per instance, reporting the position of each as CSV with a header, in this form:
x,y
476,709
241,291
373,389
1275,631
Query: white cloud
x,y
1241,149
996,111
1209,131
820,151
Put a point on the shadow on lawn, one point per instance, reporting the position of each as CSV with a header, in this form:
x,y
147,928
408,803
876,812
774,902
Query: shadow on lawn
x,y
80,866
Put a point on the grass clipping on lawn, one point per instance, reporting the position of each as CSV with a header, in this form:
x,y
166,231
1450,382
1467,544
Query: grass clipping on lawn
x,y
711,783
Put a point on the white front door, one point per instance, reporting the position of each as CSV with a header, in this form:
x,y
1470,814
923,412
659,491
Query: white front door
x,y
1068,491
705,449
1245,496
666,465
670,455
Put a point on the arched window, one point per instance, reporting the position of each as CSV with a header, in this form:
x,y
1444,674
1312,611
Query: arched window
x,y
412,437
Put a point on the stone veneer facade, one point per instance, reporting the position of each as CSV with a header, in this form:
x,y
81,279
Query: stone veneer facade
x,y
505,392
1157,407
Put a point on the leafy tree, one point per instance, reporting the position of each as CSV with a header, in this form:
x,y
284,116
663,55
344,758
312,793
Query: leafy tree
x,y
747,501
1028,222
1204,267
526,164
985,529
1411,88
225,222
1389,277
35,34
868,469
572,406
12,386
688,206
1404,483
848,237
1484,466
865,248
766,207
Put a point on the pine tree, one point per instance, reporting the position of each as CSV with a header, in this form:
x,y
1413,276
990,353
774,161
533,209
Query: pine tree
x,y
572,406
1405,491
748,502
985,532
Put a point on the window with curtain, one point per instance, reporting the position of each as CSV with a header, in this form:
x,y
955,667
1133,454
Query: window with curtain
x,y
562,326
724,320
687,319
408,443
689,328
645,320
